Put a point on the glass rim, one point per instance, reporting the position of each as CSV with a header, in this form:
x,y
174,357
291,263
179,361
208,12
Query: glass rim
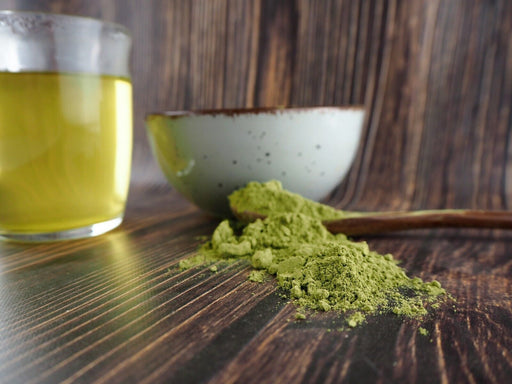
x,y
115,26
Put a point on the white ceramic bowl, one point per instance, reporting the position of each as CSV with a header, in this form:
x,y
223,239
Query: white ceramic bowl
x,y
206,155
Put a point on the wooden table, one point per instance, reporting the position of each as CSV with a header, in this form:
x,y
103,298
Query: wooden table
x,y
116,309
436,77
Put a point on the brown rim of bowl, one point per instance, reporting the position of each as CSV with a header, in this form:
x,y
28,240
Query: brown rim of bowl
x,y
247,111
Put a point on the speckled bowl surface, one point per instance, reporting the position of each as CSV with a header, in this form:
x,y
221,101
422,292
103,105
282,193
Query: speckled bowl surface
x,y
206,155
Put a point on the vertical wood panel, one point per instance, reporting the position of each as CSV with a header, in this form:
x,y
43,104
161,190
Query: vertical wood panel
x,y
241,45
277,44
434,75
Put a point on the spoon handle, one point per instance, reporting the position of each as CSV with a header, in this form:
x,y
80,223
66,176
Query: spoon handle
x,y
371,223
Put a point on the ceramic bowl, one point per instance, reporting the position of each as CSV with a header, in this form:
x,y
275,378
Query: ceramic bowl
x,y
206,155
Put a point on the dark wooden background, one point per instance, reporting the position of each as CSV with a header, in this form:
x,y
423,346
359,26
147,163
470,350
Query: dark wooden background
x,y
436,77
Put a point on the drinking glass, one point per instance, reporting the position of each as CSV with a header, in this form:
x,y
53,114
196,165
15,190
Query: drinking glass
x,y
65,126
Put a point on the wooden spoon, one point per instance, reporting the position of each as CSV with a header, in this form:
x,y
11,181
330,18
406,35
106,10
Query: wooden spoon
x,y
379,222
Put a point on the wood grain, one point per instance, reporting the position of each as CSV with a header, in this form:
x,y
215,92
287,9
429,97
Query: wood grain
x,y
436,78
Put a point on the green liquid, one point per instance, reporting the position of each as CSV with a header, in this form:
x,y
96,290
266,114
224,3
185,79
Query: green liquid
x,y
65,150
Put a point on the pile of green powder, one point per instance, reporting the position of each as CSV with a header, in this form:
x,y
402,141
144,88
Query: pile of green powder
x,y
319,270
270,199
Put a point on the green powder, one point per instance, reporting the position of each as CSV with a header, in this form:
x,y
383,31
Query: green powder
x,y
319,270
270,198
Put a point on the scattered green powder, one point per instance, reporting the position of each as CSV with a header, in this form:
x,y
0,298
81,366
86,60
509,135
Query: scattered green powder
x,y
319,270
258,276
355,319
300,315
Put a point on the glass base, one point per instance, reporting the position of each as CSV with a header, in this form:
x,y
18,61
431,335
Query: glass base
x,y
75,233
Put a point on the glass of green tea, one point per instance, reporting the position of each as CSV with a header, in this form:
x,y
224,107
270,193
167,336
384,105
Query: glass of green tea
x,y
65,126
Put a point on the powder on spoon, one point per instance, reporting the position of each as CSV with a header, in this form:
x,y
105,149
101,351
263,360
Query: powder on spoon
x,y
270,198
319,270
